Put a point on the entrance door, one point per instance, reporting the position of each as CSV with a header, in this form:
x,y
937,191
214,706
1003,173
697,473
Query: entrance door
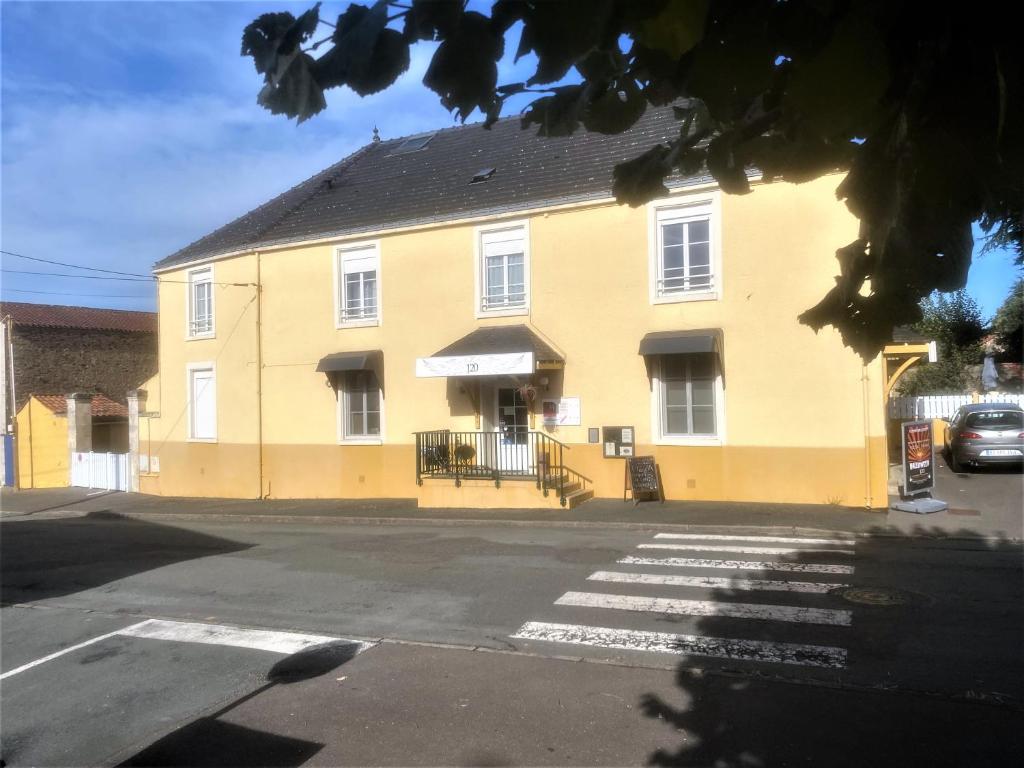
x,y
512,423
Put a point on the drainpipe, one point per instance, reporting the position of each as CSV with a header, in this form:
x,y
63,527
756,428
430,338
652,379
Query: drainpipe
x,y
259,372
867,437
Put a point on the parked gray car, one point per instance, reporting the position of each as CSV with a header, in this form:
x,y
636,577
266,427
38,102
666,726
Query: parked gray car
x,y
983,434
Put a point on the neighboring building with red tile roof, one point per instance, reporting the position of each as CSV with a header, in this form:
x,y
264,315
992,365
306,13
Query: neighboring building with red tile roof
x,y
102,406
55,350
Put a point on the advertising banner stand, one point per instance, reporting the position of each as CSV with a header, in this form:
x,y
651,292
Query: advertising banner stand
x,y
918,460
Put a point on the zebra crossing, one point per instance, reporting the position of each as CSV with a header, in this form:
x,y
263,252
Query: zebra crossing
x,y
779,608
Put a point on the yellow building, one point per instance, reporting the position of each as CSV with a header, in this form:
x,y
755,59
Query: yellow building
x,y
468,318
43,449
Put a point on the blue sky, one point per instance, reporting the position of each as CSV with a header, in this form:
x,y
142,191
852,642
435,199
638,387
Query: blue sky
x,y
131,129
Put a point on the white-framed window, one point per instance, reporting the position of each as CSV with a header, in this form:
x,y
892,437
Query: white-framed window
x,y
357,281
503,270
361,407
685,263
688,399
200,303
202,402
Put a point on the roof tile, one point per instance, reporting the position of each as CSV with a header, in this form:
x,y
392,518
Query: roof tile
x,y
85,318
375,188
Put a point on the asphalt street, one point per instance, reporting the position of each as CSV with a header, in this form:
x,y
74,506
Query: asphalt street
x,y
145,643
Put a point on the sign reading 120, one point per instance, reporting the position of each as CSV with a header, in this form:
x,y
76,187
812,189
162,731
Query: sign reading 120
x,y
472,367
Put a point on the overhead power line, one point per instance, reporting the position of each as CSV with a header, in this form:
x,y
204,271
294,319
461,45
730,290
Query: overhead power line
x,y
75,293
74,266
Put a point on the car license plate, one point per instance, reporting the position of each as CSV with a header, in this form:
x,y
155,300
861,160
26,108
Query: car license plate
x,y
993,452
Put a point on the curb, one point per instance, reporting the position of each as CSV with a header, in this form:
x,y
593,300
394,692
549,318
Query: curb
x,y
565,524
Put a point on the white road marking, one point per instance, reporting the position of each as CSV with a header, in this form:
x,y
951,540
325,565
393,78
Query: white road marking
x,y
744,550
739,565
765,539
690,645
208,634
218,634
790,613
715,583
69,649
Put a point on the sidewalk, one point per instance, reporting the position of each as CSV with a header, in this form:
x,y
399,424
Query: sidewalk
x,y
682,515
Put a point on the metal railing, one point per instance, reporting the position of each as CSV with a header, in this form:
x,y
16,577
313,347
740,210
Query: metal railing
x,y
496,456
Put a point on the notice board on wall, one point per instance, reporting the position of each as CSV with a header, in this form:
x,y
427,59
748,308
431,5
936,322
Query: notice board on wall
x,y
617,441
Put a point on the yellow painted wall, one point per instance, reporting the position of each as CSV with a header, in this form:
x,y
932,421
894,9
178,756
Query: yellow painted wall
x,y
42,445
804,419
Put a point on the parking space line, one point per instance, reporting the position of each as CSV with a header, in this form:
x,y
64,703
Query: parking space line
x,y
219,634
70,649
207,634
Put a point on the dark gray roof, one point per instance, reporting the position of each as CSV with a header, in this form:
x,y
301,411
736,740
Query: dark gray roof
x,y
501,339
376,189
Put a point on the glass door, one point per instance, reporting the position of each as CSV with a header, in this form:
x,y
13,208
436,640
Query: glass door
x,y
512,423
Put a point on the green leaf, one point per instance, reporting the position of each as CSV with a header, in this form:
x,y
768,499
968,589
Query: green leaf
x,y
561,33
726,166
295,93
432,19
637,181
558,114
464,69
617,109
262,37
676,29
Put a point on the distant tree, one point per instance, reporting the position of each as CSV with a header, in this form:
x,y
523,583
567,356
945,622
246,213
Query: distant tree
x,y
1008,324
922,106
954,322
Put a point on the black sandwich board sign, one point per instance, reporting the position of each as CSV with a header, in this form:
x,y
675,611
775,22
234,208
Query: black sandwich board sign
x,y
918,458
642,479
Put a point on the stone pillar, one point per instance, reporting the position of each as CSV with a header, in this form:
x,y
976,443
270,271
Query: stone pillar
x,y
80,422
79,429
136,404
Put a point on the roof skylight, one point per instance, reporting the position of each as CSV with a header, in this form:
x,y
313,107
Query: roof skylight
x,y
412,144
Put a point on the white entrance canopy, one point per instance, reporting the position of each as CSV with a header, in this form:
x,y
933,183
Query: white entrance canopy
x,y
475,365
499,350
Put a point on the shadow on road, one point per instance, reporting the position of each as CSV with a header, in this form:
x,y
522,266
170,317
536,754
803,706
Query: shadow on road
x,y
933,674
212,742
51,558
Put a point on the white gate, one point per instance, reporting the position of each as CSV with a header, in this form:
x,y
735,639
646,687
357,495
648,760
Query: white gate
x,y
108,471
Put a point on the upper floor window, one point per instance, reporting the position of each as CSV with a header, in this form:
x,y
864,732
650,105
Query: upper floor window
x,y
687,387
360,406
684,254
504,271
358,271
200,302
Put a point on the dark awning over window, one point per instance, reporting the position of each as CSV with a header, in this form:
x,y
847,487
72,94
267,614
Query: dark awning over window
x,y
348,361
680,342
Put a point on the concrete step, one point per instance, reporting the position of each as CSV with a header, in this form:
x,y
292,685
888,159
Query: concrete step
x,y
574,499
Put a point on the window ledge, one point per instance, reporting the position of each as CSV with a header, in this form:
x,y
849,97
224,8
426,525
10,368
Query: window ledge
x,y
690,441
678,298
368,323
199,336
509,312
361,441
201,439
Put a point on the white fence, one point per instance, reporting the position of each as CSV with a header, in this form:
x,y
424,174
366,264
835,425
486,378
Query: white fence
x,y
100,470
942,406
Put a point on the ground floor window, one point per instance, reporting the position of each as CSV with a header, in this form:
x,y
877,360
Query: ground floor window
x,y
360,405
687,394
202,403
